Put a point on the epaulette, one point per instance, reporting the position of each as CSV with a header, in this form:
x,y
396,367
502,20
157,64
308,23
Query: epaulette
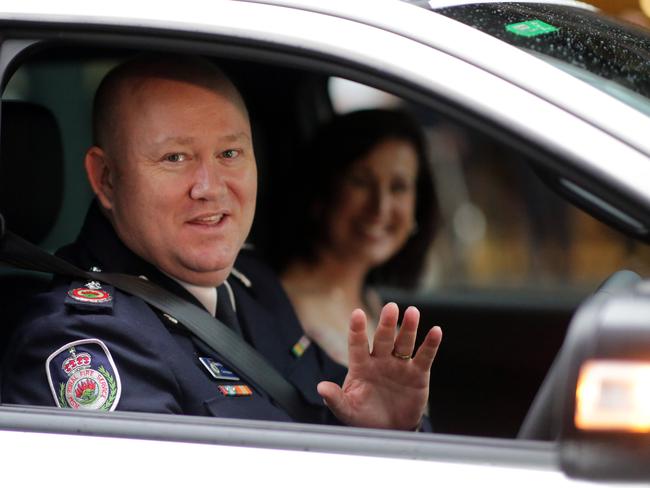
x,y
91,296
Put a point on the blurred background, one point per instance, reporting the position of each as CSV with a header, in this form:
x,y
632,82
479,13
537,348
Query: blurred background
x,y
632,10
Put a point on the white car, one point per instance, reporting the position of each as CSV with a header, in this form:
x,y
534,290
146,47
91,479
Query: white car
x,y
523,101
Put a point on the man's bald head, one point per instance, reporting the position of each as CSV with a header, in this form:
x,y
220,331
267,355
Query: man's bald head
x,y
128,79
173,165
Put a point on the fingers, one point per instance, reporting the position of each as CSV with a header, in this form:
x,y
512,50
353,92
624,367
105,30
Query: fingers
x,y
385,333
427,351
386,341
358,339
333,397
405,340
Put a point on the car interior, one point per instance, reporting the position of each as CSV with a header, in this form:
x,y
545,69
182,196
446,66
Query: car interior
x,y
507,270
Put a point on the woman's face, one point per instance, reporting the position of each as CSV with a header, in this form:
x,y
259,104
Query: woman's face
x,y
374,212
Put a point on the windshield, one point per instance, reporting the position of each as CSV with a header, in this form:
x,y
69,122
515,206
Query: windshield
x,y
611,55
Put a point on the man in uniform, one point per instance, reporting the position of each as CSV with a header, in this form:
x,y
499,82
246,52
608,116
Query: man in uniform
x,y
174,174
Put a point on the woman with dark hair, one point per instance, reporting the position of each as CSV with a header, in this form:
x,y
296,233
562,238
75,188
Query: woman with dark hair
x,y
366,216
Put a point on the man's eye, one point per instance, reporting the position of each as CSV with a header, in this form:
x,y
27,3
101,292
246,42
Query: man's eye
x,y
230,153
175,157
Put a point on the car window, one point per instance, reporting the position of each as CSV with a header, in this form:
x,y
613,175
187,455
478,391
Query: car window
x,y
489,198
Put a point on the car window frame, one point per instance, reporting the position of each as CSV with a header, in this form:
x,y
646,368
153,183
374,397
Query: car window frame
x,y
513,453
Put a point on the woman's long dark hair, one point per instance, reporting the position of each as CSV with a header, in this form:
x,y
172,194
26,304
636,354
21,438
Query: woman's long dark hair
x,y
317,177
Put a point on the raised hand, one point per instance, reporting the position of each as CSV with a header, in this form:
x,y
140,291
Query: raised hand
x,y
385,388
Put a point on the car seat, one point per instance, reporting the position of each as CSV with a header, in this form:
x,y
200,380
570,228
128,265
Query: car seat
x,y
31,193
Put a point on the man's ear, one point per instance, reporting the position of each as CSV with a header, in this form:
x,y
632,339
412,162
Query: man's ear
x,y
100,175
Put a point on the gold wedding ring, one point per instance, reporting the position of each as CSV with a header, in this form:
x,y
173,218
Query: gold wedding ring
x,y
404,357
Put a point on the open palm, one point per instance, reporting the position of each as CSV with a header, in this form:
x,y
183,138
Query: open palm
x,y
385,387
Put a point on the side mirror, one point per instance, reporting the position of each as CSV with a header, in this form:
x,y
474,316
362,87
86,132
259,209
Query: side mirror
x,y
605,396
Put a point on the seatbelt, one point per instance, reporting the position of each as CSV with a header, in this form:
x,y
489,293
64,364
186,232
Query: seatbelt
x,y
19,253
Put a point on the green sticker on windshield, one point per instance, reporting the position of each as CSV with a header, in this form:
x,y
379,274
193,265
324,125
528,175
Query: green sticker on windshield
x,y
530,28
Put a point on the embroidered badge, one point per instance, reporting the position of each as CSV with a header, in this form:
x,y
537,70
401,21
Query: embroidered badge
x,y
235,390
299,347
91,296
91,293
218,370
82,375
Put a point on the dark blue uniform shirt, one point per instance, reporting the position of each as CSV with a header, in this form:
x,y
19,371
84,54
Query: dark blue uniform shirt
x,y
84,346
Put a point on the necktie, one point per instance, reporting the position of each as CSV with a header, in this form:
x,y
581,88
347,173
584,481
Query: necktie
x,y
225,311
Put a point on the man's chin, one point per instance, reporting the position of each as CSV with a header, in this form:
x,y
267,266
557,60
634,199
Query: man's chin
x,y
201,276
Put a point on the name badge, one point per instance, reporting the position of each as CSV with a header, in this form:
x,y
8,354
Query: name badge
x,y
217,370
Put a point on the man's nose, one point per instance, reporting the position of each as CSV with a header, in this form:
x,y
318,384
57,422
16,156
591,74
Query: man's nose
x,y
207,182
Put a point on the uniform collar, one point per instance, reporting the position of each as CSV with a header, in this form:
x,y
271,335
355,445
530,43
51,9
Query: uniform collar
x,y
206,295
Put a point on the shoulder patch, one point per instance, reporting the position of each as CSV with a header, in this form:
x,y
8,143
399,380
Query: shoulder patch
x,y
92,296
83,376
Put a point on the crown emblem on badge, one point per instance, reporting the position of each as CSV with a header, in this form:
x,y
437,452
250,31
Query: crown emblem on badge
x,y
86,387
76,361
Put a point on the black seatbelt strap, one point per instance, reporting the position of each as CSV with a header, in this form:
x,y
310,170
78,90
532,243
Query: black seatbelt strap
x,y
20,253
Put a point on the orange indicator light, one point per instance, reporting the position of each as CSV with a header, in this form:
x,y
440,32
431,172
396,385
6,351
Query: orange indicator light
x,y
613,395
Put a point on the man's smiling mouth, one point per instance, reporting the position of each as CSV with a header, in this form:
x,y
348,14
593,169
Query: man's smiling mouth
x,y
211,219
